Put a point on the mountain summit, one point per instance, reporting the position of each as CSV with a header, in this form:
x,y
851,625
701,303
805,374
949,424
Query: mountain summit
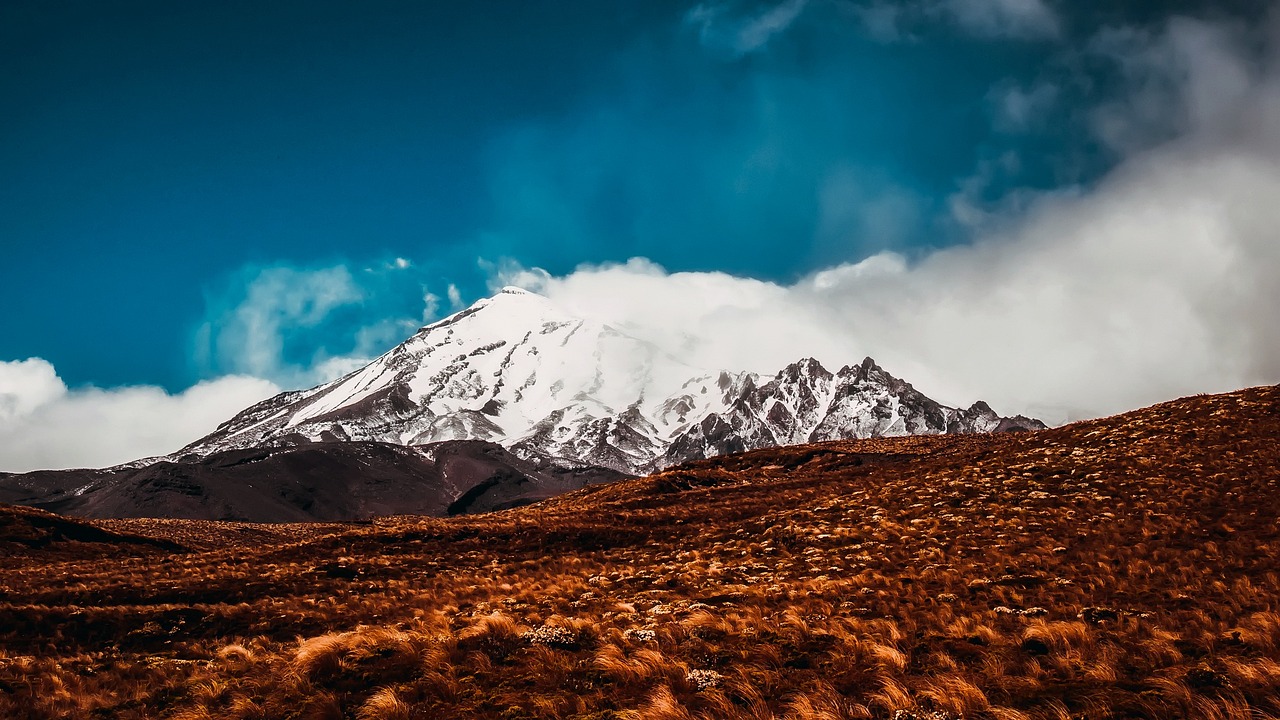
x,y
519,371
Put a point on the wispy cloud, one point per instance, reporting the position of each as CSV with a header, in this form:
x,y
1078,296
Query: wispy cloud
x,y
249,337
722,26
455,298
1015,108
302,326
990,19
1190,76
1023,19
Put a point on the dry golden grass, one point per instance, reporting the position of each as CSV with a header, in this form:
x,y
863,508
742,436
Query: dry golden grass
x,y
1121,568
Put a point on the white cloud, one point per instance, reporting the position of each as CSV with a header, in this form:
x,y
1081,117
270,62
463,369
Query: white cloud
x,y
721,28
430,307
43,425
26,385
1160,281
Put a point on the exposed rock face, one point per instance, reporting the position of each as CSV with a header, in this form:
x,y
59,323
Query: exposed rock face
x,y
516,370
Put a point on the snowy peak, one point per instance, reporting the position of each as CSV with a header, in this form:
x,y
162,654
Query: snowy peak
x,y
806,403
518,370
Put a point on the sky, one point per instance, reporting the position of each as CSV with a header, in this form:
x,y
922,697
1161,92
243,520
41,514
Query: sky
x,y
1066,209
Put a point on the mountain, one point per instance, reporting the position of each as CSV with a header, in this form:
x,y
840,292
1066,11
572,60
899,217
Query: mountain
x,y
517,370
506,403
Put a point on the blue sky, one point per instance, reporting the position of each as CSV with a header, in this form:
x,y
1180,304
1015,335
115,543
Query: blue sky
x,y
277,190
156,155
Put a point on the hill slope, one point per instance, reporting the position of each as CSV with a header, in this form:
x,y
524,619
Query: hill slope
x,y
1121,568
47,537
323,481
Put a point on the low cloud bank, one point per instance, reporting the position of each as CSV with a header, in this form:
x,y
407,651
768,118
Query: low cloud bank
x,y
45,425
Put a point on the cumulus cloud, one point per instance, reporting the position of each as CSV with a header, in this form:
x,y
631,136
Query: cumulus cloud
x,y
1160,281
26,385
44,425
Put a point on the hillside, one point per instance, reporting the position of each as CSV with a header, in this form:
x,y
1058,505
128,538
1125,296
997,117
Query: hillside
x,y
313,482
36,535
1119,568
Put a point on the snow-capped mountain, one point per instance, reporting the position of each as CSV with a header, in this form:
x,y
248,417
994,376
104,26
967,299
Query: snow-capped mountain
x,y
517,370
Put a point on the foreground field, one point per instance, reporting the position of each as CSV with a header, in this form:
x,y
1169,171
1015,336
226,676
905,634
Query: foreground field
x,y
1126,567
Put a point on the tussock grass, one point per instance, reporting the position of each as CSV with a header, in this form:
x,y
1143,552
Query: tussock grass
x,y
1121,568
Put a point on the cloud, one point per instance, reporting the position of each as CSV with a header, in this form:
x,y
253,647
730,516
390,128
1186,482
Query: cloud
x,y
883,21
43,425
299,327
26,385
249,337
1017,109
987,19
720,27
455,298
970,207
1020,19
1156,282
1191,76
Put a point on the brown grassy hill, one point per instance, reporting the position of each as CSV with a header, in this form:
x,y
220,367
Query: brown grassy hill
x,y
1125,567
41,536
